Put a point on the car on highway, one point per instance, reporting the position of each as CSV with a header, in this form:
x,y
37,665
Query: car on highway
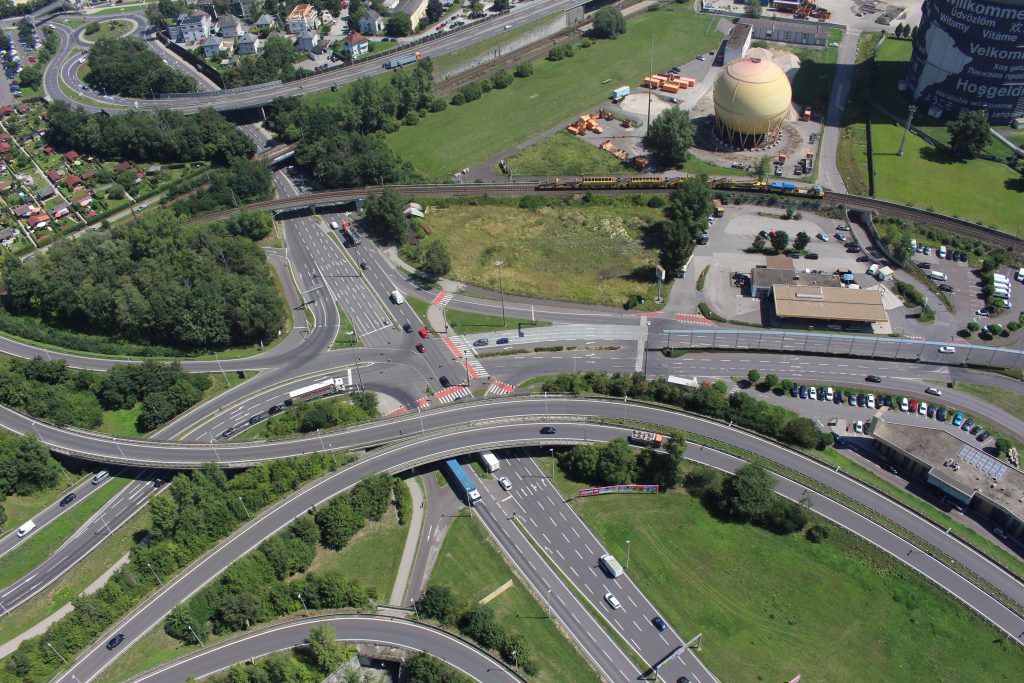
x,y
228,433
481,342
859,426
659,623
874,378
257,418
947,349
274,410
967,424
100,476
421,348
958,419
68,499
548,430
940,414
407,327
933,391
501,340
922,409
115,641
612,601
423,333
504,483
445,382
362,264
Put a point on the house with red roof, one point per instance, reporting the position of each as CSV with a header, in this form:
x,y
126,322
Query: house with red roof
x,y
71,156
38,221
53,175
72,181
83,199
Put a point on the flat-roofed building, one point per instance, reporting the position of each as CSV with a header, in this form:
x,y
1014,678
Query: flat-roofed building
x,y
829,303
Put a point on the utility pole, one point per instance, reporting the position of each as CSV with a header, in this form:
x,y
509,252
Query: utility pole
x,y
910,115
501,290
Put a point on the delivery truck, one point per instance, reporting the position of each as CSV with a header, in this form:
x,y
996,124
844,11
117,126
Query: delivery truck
x,y
489,461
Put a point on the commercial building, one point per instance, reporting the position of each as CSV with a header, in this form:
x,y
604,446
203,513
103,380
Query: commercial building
x,y
752,100
191,28
956,468
762,279
836,304
788,31
969,55
738,43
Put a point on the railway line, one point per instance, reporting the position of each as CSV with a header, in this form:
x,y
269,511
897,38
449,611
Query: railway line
x,y
311,200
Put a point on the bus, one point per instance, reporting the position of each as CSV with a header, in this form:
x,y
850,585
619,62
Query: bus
x,y
719,209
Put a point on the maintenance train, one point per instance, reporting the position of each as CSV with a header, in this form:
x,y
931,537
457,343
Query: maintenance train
x,y
657,183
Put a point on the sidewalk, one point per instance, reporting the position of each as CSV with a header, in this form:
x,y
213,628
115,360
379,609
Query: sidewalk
x,y
412,540
40,628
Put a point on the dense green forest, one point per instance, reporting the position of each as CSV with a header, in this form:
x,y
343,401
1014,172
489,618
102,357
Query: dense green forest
x,y
140,136
126,67
344,142
154,281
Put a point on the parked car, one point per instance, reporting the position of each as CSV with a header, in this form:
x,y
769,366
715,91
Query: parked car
x,y
812,394
983,312
794,391
946,288
858,427
803,391
839,396
829,393
984,435
958,419
922,409
853,399
967,424
812,256
862,400
975,429
931,411
871,401
913,405
940,414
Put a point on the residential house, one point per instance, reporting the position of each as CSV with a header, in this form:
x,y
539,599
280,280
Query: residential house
x,y
88,174
245,8
48,151
83,199
326,18
72,181
5,185
248,44
54,175
5,147
307,40
302,18
45,193
4,137
61,210
155,168
38,221
230,26
124,166
191,28
214,46
23,211
71,157
414,8
354,45
23,109
371,23
8,236
264,23
6,110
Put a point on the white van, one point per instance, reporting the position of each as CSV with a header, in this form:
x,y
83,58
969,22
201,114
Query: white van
x,y
999,277
1020,274
942,251
397,297
335,226
936,275
26,528
100,476
873,269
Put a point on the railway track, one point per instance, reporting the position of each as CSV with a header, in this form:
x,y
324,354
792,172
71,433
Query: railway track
x,y
334,197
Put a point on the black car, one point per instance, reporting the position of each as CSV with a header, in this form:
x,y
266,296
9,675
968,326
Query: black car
x,y
874,378
228,433
975,429
445,382
924,265
963,257
838,396
952,255
794,390
362,264
946,288
66,500
659,623
274,410
852,248
115,641
887,401
812,256
503,340
157,483
862,400
763,234
407,327
257,418
547,430
984,435
862,259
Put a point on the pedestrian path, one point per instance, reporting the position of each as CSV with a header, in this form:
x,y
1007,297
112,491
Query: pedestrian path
x,y
400,410
453,393
442,299
463,350
412,540
499,388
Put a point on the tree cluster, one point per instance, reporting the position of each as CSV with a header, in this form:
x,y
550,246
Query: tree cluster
x,y
153,280
478,623
422,668
384,216
242,182
749,497
616,462
687,212
126,67
712,400
9,8
255,588
164,390
202,508
343,143
165,136
276,61
25,466
608,23
341,411
670,137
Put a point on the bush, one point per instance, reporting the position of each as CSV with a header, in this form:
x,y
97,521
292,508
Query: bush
x,y
524,70
559,53
502,79
458,99
438,602
818,533
436,104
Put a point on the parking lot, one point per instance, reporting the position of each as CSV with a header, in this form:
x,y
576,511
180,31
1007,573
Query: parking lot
x,y
967,295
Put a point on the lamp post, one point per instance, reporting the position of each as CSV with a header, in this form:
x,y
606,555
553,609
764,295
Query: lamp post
x,y
247,515
552,452
200,640
155,575
501,291
299,596
415,609
910,115
57,653
627,555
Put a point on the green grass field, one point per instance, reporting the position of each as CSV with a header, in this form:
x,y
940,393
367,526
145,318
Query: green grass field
x,y
566,154
20,509
555,92
114,28
598,250
1010,401
67,587
371,557
771,607
516,608
45,541
347,337
924,176
462,322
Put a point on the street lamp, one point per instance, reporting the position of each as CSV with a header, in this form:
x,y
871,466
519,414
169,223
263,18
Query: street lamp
x,y
415,609
552,451
155,575
57,653
501,291
247,515
200,640
627,556
299,596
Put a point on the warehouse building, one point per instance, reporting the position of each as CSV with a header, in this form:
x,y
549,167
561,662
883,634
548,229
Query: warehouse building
x,y
934,455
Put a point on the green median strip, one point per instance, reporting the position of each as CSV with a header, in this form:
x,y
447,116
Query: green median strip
x,y
43,543
346,337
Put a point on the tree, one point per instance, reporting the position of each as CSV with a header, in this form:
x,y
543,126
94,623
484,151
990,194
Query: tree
x,y
31,77
436,259
780,240
913,33
524,70
385,216
968,134
435,10
753,9
800,431
670,137
328,653
616,463
608,23
500,5
749,494
753,375
758,244
771,381
438,602
399,24
899,246
763,168
786,385
1003,445
422,668
801,241
126,66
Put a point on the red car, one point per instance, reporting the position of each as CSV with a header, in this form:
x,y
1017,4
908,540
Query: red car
x,y
421,348
424,333
913,406
32,59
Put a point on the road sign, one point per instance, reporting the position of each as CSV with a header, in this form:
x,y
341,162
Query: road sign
x,y
660,272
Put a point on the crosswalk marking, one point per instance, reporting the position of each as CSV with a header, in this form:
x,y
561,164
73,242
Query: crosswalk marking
x,y
695,319
499,388
450,394
443,298
464,351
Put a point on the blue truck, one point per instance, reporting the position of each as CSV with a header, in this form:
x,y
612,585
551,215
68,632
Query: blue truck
x,y
401,61
620,93
467,491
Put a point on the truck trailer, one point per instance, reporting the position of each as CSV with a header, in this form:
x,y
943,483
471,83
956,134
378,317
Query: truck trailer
x,y
461,483
489,461
327,387
611,566
401,61
642,438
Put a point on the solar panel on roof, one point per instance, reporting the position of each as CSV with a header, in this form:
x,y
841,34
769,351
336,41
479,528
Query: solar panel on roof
x,y
1001,472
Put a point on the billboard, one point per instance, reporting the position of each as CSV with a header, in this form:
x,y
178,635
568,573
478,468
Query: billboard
x,y
969,54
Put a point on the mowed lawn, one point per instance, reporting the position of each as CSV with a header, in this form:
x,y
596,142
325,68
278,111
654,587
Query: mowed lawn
x,y
566,154
472,568
773,607
597,251
462,136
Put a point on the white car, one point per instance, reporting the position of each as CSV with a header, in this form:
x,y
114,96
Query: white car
x,y
812,394
504,483
922,408
947,349
859,427
933,391
612,601
829,394
871,400
904,404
